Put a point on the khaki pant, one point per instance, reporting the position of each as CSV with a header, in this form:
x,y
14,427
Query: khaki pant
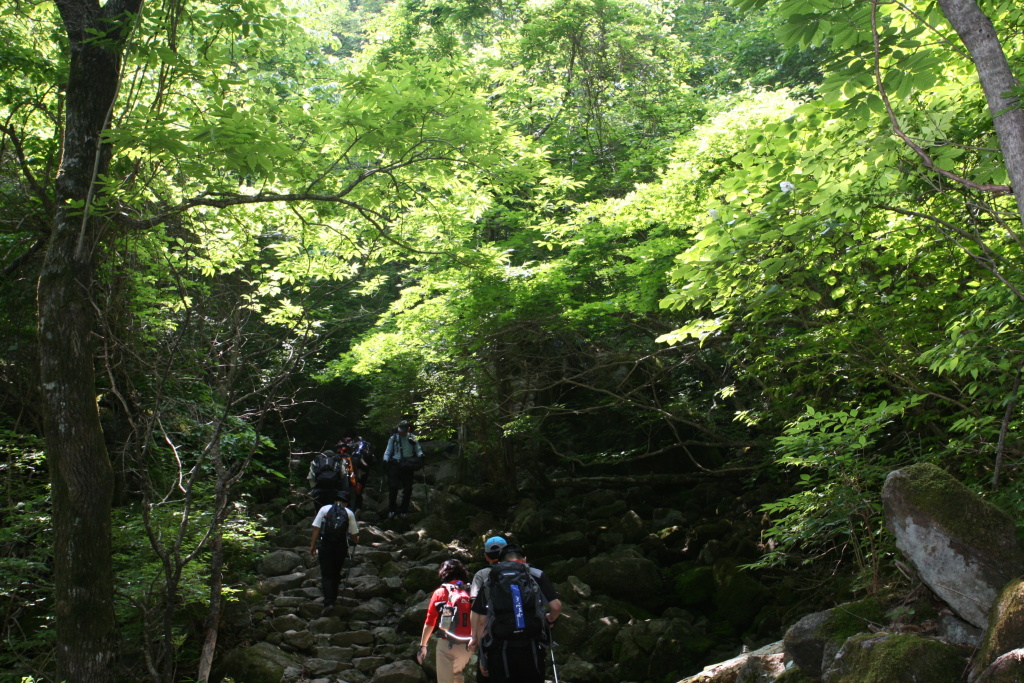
x,y
452,658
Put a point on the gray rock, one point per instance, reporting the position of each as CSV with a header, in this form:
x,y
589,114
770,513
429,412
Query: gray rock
x,y
279,562
813,642
327,625
386,634
321,667
278,584
335,653
261,663
624,575
352,638
402,671
372,610
956,631
287,622
963,547
371,664
412,619
300,640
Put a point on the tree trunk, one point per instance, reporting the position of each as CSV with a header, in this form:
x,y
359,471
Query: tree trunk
x,y
997,80
80,469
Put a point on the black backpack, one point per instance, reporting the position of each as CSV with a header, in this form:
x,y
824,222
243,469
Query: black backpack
x,y
334,527
364,451
515,608
327,473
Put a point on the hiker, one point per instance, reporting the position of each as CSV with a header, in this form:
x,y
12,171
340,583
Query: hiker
x,y
360,456
326,478
492,552
402,457
334,528
449,611
510,624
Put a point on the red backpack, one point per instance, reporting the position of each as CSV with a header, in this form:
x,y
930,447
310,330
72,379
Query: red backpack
x,y
454,613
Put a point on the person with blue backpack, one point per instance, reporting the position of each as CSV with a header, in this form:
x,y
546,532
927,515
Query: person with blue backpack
x,y
512,618
334,529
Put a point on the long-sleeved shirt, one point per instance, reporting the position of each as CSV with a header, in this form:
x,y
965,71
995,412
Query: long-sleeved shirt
x,y
402,448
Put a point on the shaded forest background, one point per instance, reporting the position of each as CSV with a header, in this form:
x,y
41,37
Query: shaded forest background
x,y
776,238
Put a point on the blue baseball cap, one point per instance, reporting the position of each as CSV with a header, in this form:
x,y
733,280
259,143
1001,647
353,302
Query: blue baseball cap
x,y
494,544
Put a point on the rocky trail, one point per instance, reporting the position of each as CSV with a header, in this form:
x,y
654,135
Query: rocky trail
x,y
651,585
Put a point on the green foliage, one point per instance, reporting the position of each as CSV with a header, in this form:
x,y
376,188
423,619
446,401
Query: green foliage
x,y
26,585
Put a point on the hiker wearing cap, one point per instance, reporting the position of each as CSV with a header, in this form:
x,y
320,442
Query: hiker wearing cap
x,y
402,457
449,611
492,552
512,616
334,527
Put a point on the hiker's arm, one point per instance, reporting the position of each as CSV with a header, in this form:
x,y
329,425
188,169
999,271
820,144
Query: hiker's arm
x,y
476,622
555,608
312,544
354,538
428,628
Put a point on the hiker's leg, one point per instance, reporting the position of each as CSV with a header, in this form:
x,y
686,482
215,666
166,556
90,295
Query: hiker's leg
x,y
406,489
393,484
445,661
331,561
460,658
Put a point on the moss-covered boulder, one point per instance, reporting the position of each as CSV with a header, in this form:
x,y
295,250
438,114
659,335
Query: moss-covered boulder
x,y
1006,627
738,596
654,648
963,547
261,663
694,585
895,658
812,642
626,575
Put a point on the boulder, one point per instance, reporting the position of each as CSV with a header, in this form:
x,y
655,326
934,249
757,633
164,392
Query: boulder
x,y
529,520
895,658
626,575
1007,668
654,648
695,585
963,547
261,663
279,562
738,596
278,584
402,671
1006,627
423,578
568,544
373,609
812,642
299,640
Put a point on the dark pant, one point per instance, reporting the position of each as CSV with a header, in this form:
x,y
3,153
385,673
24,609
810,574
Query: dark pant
x,y
515,662
399,476
332,559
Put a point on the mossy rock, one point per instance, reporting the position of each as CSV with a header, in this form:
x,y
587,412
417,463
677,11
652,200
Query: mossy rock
x,y
896,658
261,663
812,642
1006,627
738,596
795,674
695,586
964,548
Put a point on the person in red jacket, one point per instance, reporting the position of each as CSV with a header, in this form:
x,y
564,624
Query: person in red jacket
x,y
449,611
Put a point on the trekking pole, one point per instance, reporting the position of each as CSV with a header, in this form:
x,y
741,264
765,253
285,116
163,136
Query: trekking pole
x,y
351,561
554,668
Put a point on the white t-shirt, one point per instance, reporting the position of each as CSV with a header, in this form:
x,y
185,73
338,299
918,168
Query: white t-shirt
x,y
352,528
